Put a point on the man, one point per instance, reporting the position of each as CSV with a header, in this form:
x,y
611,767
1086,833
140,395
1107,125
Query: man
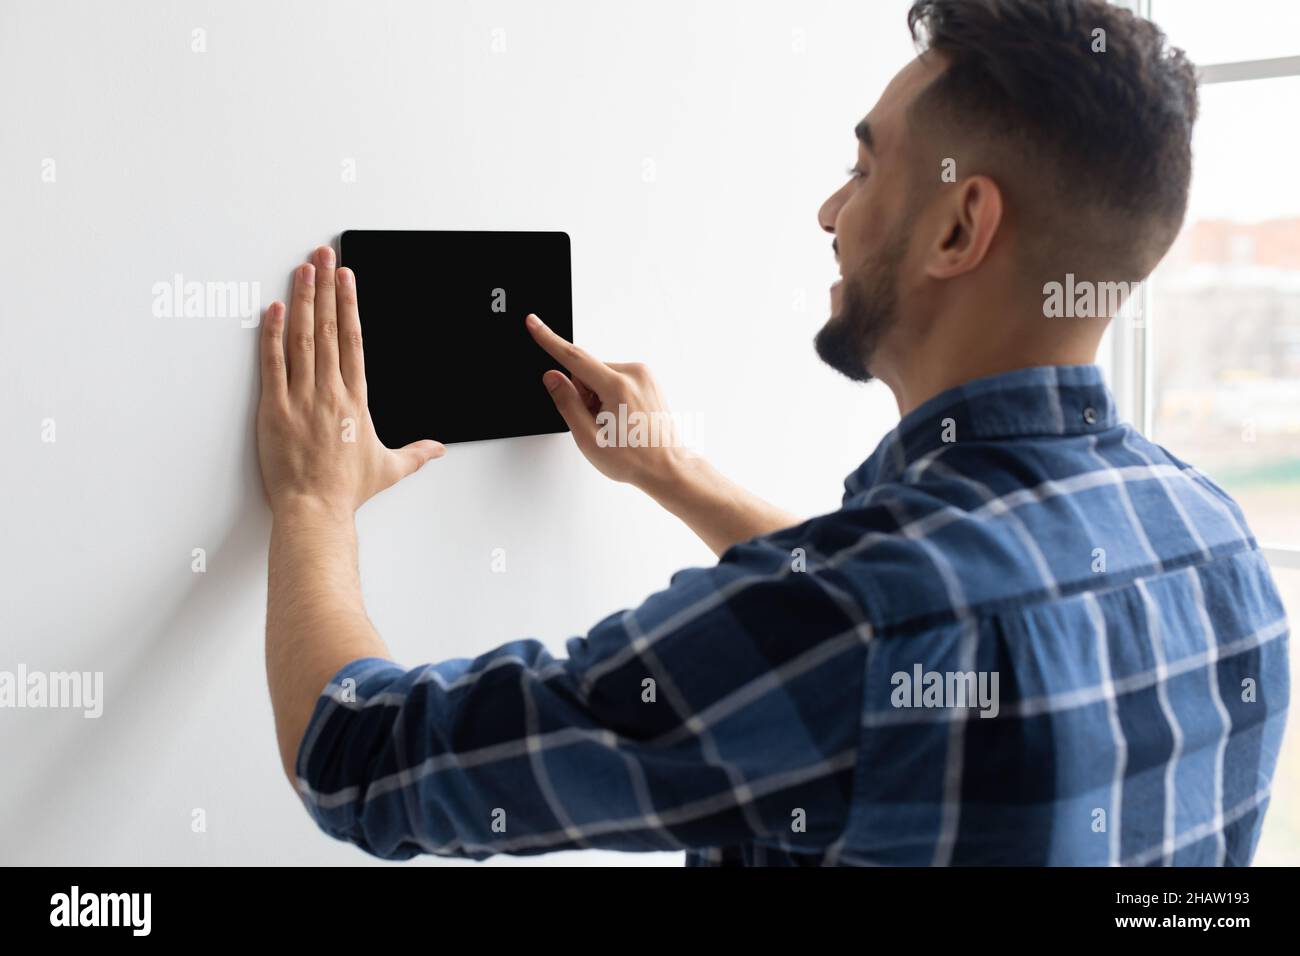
x,y
1029,635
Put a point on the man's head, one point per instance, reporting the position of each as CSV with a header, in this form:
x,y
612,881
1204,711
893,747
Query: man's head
x,y
1028,140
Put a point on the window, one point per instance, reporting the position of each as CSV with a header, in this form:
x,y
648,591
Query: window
x,y
1215,31
1224,356
1208,363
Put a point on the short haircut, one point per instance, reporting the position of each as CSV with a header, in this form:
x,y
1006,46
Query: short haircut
x,y
1093,145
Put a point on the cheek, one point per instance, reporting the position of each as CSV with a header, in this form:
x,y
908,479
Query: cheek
x,y
857,230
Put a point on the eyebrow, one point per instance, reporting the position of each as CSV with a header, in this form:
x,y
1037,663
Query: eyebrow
x,y
863,132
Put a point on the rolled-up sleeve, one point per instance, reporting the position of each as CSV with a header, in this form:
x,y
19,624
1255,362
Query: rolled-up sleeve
x,y
725,708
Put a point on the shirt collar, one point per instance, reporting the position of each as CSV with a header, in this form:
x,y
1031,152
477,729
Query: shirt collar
x,y
1045,401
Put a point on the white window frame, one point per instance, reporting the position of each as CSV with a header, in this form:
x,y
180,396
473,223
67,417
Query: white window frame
x,y
1130,350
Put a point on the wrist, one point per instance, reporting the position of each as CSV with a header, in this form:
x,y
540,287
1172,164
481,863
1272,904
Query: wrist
x,y
298,508
674,477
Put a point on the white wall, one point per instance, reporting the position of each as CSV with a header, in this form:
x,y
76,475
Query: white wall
x,y
226,166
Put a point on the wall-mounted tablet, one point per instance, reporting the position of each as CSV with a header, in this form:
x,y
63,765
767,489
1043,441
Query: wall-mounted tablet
x,y
442,322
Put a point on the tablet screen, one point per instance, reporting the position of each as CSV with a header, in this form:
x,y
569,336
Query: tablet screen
x,y
442,321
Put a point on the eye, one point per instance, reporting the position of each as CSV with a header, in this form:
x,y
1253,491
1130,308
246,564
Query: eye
x,y
854,173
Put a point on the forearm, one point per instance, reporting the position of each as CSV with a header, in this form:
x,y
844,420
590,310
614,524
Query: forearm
x,y
315,617
717,509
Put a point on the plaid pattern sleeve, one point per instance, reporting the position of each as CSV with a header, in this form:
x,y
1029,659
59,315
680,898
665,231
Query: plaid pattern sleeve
x,y
1028,636
723,710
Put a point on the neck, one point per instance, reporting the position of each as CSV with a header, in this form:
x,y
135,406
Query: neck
x,y
929,372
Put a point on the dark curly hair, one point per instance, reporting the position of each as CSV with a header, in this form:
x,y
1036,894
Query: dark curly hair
x,y
1103,134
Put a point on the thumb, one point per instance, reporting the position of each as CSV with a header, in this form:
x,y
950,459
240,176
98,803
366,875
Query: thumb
x,y
411,458
568,403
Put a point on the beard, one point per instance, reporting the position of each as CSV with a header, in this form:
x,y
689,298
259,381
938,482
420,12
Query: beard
x,y
868,309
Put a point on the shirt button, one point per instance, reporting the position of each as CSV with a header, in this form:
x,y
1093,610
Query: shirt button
x,y
1090,415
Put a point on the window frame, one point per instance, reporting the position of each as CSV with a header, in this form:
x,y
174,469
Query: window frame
x,y
1130,351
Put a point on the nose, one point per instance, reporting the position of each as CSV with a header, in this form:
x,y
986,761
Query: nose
x,y
829,210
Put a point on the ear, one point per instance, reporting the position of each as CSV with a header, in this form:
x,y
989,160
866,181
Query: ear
x,y
970,214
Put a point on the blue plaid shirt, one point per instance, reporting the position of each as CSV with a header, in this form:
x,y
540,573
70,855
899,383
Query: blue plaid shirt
x,y
1028,636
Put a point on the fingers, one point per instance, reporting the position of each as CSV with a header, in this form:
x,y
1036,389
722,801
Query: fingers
x,y
351,359
302,332
575,412
594,372
275,376
326,328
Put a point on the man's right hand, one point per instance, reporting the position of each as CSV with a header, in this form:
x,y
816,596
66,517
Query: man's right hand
x,y
593,387
717,509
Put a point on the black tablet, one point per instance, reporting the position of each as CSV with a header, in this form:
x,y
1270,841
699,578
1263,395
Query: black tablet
x,y
442,321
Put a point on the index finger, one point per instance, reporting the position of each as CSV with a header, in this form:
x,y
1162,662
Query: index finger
x,y
351,357
591,370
